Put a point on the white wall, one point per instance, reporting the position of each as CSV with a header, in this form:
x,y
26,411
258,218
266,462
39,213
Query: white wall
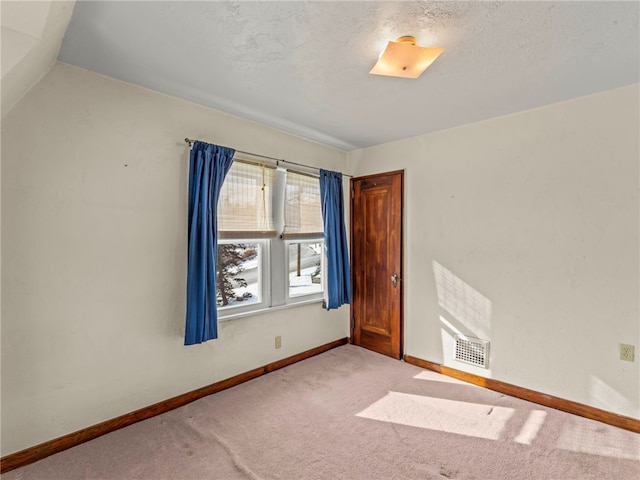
x,y
529,223
94,189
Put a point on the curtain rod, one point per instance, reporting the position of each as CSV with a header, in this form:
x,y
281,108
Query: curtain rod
x,y
191,142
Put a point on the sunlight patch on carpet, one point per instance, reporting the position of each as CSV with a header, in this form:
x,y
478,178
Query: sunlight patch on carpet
x,y
597,439
462,418
531,427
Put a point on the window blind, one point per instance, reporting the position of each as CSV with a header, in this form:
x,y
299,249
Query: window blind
x,y
245,203
302,207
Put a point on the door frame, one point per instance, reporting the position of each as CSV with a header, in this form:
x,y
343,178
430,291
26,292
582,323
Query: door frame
x,y
351,243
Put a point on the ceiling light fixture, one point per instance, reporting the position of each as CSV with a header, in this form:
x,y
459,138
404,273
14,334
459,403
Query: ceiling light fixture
x,y
403,58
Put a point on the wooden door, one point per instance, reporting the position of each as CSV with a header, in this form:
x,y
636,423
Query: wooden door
x,y
376,256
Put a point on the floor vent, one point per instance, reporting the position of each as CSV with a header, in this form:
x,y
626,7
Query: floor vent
x,y
472,350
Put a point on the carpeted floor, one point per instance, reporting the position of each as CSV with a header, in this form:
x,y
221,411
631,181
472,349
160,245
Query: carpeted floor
x,y
353,414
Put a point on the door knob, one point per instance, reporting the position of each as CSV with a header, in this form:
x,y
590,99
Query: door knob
x,y
394,280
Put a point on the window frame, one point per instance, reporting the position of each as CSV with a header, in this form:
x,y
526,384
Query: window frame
x,y
274,263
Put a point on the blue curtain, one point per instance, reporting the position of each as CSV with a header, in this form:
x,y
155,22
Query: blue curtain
x,y
208,166
335,239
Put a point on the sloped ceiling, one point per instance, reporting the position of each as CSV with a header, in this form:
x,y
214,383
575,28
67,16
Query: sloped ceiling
x,y
303,66
31,36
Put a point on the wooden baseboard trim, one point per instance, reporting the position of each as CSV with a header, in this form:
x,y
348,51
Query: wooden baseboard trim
x,y
38,452
568,406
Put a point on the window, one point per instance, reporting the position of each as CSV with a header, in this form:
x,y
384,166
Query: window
x,y
306,262
270,246
303,231
240,282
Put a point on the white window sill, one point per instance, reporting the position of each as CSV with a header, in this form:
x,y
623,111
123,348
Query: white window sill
x,y
260,311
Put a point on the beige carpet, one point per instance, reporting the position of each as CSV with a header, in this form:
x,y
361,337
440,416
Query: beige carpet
x,y
353,414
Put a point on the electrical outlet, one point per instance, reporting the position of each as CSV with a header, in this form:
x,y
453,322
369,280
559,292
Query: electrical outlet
x,y
627,352
278,341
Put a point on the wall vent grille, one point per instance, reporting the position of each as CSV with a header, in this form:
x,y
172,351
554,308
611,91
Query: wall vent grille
x,y
472,350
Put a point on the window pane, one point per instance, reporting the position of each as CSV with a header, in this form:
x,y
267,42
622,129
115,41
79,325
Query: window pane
x,y
305,268
238,274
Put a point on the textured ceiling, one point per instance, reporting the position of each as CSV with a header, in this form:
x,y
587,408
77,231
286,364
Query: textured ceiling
x,y
303,66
